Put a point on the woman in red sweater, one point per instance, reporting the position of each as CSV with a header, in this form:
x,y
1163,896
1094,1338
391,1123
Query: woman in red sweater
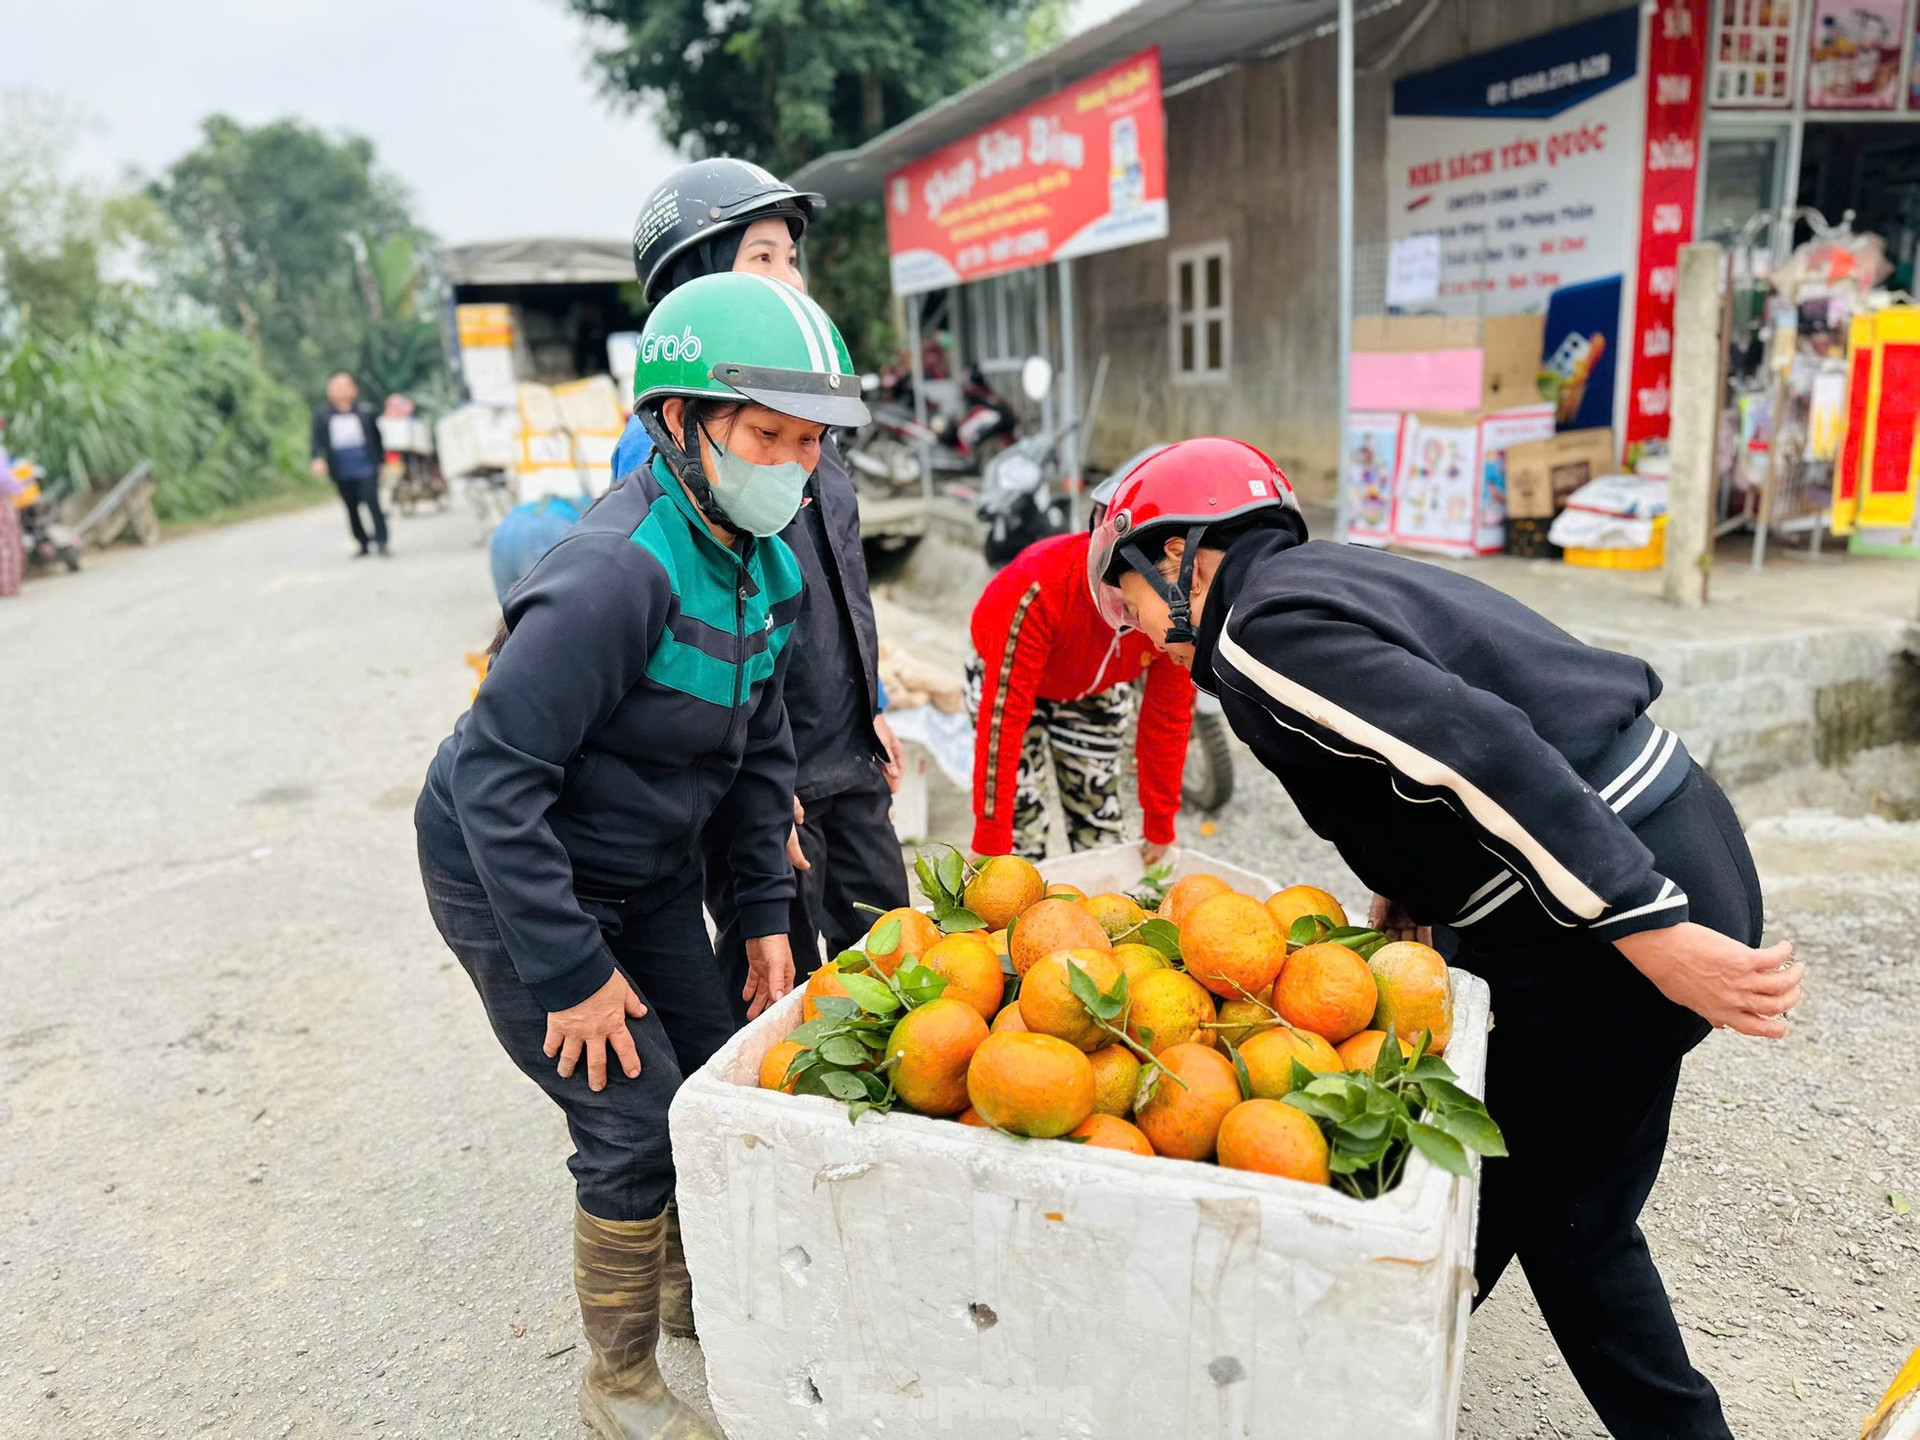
x,y
1049,676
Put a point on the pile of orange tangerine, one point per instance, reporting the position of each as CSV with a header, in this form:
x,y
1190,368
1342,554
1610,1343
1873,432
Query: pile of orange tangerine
x,y
1042,1065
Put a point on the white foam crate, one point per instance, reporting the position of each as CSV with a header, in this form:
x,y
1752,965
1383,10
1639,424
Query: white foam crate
x,y
907,1276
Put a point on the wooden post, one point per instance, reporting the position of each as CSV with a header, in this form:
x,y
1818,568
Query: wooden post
x,y
1697,343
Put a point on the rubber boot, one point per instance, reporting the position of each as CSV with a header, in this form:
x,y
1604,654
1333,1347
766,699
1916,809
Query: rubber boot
x,y
616,1271
676,1285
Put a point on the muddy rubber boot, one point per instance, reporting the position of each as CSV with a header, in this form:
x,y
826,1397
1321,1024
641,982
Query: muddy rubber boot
x,y
676,1285
616,1271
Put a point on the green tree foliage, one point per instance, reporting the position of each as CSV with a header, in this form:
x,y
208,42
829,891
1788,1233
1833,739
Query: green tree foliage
x,y
300,244
97,370
781,82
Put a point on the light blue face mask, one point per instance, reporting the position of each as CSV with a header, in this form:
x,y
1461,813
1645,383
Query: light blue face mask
x,y
760,499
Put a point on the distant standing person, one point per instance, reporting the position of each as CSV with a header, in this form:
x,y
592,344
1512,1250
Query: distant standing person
x,y
346,446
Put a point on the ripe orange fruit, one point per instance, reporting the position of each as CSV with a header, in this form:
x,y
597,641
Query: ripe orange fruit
x,y
1414,993
1049,1006
1362,1051
1001,888
1056,924
1274,1139
1187,892
999,939
1182,1121
1115,1075
1110,1132
971,967
971,1116
1242,1019
1269,1059
1137,960
1296,901
1168,1007
1062,889
1032,1085
1231,945
933,1045
1008,1018
1326,989
918,935
824,981
1117,914
773,1067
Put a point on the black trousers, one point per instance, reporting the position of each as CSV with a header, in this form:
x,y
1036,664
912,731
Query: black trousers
x,y
354,494
622,1163
848,839
1585,1149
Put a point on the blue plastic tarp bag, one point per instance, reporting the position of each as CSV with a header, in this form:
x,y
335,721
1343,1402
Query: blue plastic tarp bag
x,y
526,533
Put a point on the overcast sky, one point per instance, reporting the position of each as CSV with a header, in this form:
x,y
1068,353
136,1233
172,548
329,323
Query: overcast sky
x,y
484,108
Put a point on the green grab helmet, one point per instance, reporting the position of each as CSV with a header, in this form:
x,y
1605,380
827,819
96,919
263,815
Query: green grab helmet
x,y
735,337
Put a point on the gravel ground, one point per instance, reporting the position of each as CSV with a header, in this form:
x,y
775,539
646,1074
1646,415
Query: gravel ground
x,y
265,1172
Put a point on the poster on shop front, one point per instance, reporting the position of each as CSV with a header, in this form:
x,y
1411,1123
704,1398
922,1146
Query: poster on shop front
x,y
1082,171
1525,161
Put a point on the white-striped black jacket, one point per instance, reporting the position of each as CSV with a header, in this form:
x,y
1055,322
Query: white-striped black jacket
x,y
1469,759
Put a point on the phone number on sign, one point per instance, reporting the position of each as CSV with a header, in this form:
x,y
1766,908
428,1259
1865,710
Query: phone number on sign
x,y
1007,247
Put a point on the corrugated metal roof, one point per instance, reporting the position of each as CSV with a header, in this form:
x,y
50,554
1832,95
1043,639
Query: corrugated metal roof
x,y
555,260
1197,39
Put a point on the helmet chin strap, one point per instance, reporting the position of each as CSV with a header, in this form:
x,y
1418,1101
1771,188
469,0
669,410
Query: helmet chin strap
x,y
683,459
1179,593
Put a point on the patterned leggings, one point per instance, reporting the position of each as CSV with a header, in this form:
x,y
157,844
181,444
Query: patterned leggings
x,y
1085,739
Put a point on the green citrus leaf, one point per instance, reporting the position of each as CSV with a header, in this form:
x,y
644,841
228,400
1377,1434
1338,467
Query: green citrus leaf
x,y
843,1085
1162,935
1083,988
831,1007
871,995
928,881
1147,1087
1301,1076
960,920
952,872
1474,1129
812,1032
1439,1147
1239,1068
842,1050
885,938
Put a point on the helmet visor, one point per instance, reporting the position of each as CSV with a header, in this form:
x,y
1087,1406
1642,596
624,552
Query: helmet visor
x,y
1101,553
825,399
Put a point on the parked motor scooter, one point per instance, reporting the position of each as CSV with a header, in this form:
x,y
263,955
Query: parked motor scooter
x,y
889,448
45,539
1020,500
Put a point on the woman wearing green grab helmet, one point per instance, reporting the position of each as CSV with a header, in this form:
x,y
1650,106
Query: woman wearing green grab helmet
x,y
636,696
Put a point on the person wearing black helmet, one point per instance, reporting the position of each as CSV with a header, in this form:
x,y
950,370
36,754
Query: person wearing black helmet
x,y
1489,776
729,215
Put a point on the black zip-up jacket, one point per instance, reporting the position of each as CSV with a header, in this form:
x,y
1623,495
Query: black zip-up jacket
x,y
320,436
833,756
1469,759
637,697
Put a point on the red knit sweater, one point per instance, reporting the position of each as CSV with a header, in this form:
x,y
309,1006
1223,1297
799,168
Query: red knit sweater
x,y
1040,638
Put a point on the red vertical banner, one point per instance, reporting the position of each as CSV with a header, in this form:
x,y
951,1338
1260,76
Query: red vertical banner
x,y
1676,90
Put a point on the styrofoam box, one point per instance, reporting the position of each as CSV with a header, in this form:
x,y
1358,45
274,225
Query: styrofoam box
x,y
907,1276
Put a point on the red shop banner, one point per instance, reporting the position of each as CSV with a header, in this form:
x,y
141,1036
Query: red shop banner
x,y
1676,85
1082,171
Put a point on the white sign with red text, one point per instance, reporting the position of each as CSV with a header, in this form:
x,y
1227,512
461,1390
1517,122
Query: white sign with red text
x,y
1525,162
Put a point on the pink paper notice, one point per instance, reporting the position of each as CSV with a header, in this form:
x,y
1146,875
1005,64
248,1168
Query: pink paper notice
x,y
1418,380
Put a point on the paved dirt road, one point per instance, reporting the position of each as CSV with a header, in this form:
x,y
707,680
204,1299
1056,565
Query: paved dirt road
x,y
263,1171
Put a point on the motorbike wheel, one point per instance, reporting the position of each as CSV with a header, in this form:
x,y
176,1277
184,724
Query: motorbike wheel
x,y
1206,781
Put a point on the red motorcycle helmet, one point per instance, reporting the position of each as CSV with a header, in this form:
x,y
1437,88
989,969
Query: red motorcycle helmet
x,y
1184,489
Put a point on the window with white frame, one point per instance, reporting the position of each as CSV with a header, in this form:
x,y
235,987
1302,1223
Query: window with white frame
x,y
1200,294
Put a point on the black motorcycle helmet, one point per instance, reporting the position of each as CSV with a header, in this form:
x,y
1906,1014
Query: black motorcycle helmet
x,y
702,208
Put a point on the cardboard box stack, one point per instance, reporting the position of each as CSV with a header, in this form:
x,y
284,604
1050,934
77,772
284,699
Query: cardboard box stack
x,y
1541,474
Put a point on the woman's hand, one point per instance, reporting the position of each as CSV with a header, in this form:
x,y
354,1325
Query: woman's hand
x,y
596,1022
795,854
1390,920
769,972
895,765
1152,854
1722,981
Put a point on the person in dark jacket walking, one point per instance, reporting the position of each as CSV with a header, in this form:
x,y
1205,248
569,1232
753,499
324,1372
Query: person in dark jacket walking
x,y
718,216
346,445
1489,775
635,700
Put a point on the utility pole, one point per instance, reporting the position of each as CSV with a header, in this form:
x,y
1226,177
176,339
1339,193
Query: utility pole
x,y
1697,347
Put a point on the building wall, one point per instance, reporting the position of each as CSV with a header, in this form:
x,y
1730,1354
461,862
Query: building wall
x,y
1251,160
